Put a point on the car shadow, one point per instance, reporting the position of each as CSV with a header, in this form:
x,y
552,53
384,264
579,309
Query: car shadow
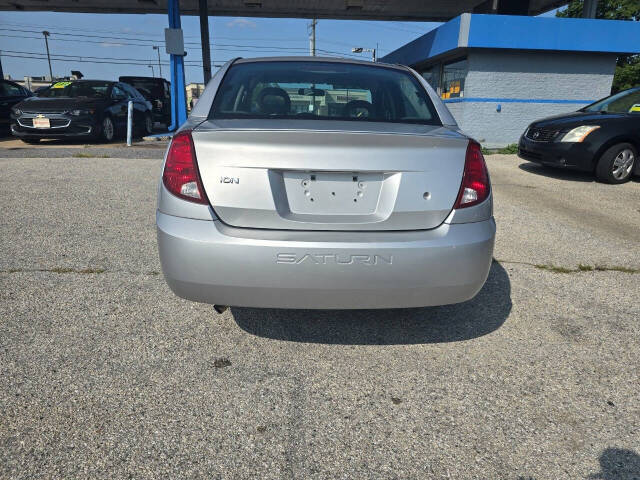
x,y
618,464
449,323
61,142
562,174
557,173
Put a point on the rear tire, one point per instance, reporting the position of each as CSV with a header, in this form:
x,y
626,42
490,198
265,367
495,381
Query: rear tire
x,y
616,164
147,128
107,130
31,141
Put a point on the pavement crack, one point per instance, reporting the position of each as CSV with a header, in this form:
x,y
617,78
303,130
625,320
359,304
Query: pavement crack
x,y
581,268
81,271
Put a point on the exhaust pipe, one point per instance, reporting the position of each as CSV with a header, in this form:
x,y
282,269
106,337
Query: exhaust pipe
x,y
220,308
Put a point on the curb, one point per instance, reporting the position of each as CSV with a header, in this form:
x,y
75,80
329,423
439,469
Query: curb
x,y
158,137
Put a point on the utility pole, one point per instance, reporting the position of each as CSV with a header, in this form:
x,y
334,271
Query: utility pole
x,y
155,47
1,73
203,11
46,42
312,37
589,8
153,73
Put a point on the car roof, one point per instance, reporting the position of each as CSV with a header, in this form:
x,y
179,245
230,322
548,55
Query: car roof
x,y
124,78
321,59
86,80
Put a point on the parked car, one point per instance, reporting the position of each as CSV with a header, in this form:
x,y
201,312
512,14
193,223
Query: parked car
x,y
81,108
603,138
323,183
10,94
158,92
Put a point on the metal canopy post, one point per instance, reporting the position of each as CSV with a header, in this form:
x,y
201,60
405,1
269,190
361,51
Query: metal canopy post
x,y
178,92
204,39
589,8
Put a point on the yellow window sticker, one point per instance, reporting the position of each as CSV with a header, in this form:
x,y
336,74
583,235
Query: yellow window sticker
x,y
60,84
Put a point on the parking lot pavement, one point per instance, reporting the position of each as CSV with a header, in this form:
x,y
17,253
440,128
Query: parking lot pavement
x,y
106,374
11,147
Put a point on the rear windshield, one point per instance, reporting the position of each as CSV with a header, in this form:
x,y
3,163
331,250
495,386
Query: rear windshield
x,y
322,91
88,89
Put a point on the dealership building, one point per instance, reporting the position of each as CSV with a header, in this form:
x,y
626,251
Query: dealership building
x,y
498,73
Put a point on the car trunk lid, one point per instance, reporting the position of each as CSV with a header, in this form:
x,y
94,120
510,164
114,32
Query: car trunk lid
x,y
315,175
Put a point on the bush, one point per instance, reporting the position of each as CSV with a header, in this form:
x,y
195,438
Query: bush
x,y
508,150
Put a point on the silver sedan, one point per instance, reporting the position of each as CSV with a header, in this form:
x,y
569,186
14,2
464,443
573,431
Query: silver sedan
x,y
323,183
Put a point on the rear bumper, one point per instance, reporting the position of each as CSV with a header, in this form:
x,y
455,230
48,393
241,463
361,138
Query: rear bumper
x,y
206,261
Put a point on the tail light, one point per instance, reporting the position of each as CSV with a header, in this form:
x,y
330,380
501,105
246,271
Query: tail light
x,y
475,179
181,176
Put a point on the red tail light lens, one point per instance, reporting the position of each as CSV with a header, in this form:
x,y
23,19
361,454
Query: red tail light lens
x,y
181,176
475,179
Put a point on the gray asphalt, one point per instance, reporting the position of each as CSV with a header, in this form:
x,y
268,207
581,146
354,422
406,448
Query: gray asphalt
x,y
13,148
106,374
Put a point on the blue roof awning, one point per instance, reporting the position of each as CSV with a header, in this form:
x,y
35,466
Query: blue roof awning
x,y
511,32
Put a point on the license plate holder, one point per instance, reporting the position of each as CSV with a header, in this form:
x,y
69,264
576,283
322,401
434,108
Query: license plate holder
x,y
41,122
333,193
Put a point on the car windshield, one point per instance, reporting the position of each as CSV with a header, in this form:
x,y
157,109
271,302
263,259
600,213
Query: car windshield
x,y
623,102
77,89
322,91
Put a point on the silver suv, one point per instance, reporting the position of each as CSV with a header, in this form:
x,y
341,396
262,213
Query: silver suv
x,y
323,183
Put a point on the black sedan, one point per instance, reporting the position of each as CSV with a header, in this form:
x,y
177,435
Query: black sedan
x,y
603,138
83,108
10,94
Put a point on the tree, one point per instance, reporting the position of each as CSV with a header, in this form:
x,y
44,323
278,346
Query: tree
x,y
627,72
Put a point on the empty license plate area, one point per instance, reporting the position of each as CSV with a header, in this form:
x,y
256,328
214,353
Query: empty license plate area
x,y
41,122
332,193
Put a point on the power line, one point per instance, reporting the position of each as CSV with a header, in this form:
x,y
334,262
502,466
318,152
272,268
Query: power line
x,y
76,41
41,56
118,41
390,27
80,60
123,40
87,56
219,47
157,39
66,27
94,59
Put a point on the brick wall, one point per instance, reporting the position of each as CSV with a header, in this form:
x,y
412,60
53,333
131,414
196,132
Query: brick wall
x,y
527,75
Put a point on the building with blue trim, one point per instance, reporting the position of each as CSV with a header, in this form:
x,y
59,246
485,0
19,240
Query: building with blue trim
x,y
498,73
